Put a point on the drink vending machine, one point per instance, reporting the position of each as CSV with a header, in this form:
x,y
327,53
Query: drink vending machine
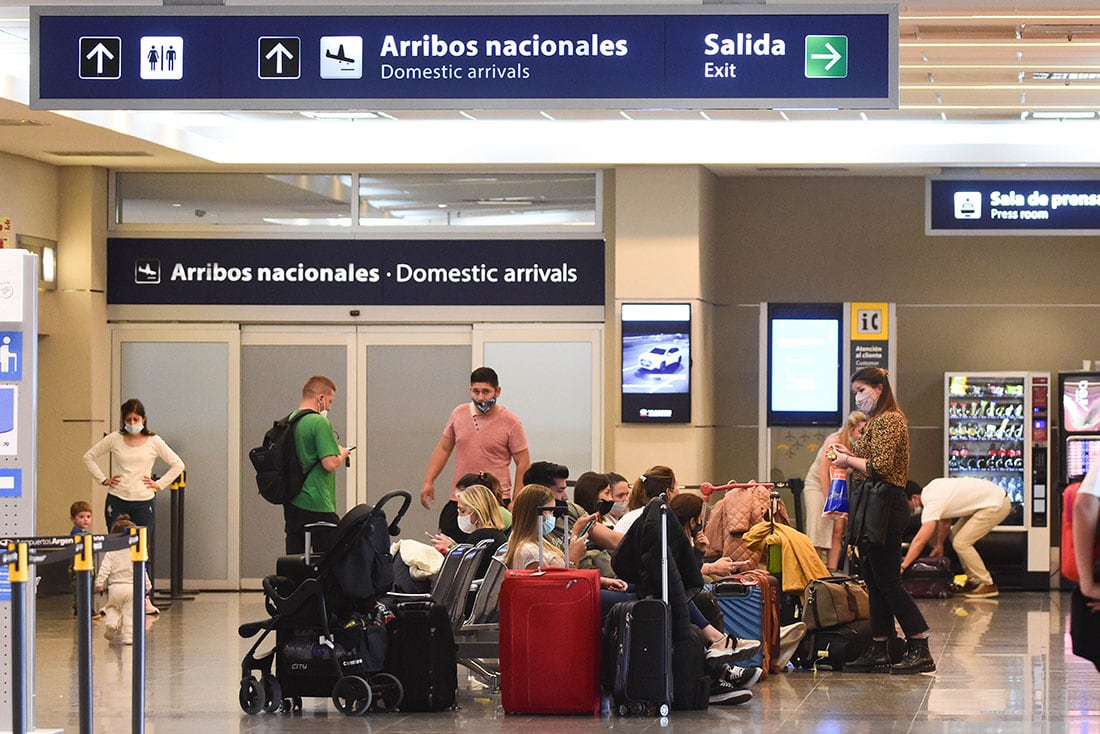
x,y
1079,394
996,428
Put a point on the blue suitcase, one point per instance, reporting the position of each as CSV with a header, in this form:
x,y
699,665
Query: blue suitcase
x,y
749,607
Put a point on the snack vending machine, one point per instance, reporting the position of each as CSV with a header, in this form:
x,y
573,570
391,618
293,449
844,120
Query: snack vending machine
x,y
997,429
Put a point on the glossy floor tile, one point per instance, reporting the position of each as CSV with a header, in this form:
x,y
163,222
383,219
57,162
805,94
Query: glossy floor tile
x,y
1004,665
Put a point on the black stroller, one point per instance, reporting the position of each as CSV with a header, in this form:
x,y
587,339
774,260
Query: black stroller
x,y
330,638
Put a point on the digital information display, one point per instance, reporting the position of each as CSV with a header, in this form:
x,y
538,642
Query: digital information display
x,y
804,364
656,350
454,58
987,206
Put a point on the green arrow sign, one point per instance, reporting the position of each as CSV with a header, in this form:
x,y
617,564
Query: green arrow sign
x,y
826,57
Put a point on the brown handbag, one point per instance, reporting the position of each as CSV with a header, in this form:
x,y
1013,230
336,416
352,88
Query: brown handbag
x,y
832,601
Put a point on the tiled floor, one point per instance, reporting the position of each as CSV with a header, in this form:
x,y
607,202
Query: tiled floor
x,y
1003,665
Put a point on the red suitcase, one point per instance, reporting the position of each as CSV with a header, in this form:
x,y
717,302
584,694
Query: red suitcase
x,y
551,637
550,641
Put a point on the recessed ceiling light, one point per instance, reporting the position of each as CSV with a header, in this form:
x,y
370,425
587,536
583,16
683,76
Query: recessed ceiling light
x,y
360,115
1063,115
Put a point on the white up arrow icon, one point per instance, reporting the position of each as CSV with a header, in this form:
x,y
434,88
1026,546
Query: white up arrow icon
x,y
99,51
279,52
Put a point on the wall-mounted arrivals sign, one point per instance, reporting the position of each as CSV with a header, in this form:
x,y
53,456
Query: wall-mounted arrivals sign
x,y
356,272
290,58
1002,206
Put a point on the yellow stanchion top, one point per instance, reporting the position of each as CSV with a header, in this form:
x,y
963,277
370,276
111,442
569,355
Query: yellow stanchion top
x,y
18,571
179,482
84,559
140,550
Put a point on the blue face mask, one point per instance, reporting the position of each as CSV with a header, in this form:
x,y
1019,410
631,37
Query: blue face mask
x,y
134,428
485,405
547,524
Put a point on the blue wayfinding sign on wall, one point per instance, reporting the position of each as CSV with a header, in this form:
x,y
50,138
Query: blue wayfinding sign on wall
x,y
356,272
1013,206
285,58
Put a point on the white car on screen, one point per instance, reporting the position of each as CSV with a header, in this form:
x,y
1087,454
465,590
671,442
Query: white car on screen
x,y
661,357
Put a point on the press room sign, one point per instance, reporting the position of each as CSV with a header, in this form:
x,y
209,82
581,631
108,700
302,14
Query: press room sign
x,y
1013,206
356,272
297,58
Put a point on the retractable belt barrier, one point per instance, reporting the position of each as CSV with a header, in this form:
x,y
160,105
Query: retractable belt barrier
x,y
22,553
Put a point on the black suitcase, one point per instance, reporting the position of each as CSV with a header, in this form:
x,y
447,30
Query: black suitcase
x,y
637,644
928,578
832,648
422,654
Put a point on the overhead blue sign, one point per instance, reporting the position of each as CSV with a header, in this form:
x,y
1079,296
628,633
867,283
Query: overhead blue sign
x,y
280,58
356,272
1013,206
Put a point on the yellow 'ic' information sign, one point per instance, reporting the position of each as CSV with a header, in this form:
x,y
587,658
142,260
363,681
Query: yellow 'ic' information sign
x,y
870,322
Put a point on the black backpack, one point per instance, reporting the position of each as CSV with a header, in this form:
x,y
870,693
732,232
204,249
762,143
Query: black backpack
x,y
279,474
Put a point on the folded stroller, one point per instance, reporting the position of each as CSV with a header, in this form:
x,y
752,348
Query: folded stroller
x,y
330,639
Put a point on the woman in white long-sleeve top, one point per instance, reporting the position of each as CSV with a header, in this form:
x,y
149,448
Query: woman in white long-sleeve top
x,y
131,489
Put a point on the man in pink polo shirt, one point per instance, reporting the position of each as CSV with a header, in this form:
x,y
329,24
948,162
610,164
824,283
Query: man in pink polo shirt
x,y
483,436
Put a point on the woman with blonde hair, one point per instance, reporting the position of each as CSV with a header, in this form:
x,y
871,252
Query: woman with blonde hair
x,y
479,518
826,532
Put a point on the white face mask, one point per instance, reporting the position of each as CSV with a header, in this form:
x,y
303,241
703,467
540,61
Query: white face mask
x,y
321,405
466,524
134,428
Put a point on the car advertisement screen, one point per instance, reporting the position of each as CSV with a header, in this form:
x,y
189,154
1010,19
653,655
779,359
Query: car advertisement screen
x,y
804,364
656,363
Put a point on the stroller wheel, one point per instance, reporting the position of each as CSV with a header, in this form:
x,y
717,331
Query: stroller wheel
x,y
273,694
351,695
251,696
290,705
386,691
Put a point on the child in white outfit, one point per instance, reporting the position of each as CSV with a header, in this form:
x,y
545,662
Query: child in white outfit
x,y
116,574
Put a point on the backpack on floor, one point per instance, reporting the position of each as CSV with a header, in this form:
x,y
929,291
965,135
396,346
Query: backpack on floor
x,y
279,474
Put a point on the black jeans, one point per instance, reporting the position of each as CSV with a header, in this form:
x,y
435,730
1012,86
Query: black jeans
x,y
295,520
880,565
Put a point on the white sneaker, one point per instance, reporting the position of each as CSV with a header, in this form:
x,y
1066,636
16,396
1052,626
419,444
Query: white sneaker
x,y
789,638
733,648
739,677
110,631
149,608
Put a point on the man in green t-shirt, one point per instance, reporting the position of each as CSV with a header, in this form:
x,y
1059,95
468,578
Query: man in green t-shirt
x,y
318,453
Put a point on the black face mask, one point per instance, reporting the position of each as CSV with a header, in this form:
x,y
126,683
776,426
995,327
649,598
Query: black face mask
x,y
604,506
561,503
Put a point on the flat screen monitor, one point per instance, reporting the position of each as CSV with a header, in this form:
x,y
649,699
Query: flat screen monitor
x,y
805,383
656,351
1082,453
1080,393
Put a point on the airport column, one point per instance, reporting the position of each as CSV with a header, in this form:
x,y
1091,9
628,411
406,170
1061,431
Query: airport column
x,y
663,235
18,410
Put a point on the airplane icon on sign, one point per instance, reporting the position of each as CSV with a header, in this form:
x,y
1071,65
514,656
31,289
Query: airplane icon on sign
x,y
339,55
147,272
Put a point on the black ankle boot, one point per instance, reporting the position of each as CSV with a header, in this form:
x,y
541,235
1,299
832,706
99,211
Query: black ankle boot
x,y
917,658
873,660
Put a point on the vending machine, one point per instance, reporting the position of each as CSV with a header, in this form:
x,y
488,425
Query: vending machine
x,y
1079,394
996,428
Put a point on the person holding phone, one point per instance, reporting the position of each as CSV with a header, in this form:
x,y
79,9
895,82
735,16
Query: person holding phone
x,y
318,451
479,518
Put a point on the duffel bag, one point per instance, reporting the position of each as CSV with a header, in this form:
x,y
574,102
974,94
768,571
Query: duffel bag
x,y
831,601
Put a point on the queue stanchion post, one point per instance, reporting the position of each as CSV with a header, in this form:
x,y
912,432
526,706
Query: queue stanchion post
x,y
84,567
139,554
175,583
18,576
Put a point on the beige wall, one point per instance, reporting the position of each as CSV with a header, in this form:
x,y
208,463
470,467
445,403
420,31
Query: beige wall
x,y
662,248
74,355
963,303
